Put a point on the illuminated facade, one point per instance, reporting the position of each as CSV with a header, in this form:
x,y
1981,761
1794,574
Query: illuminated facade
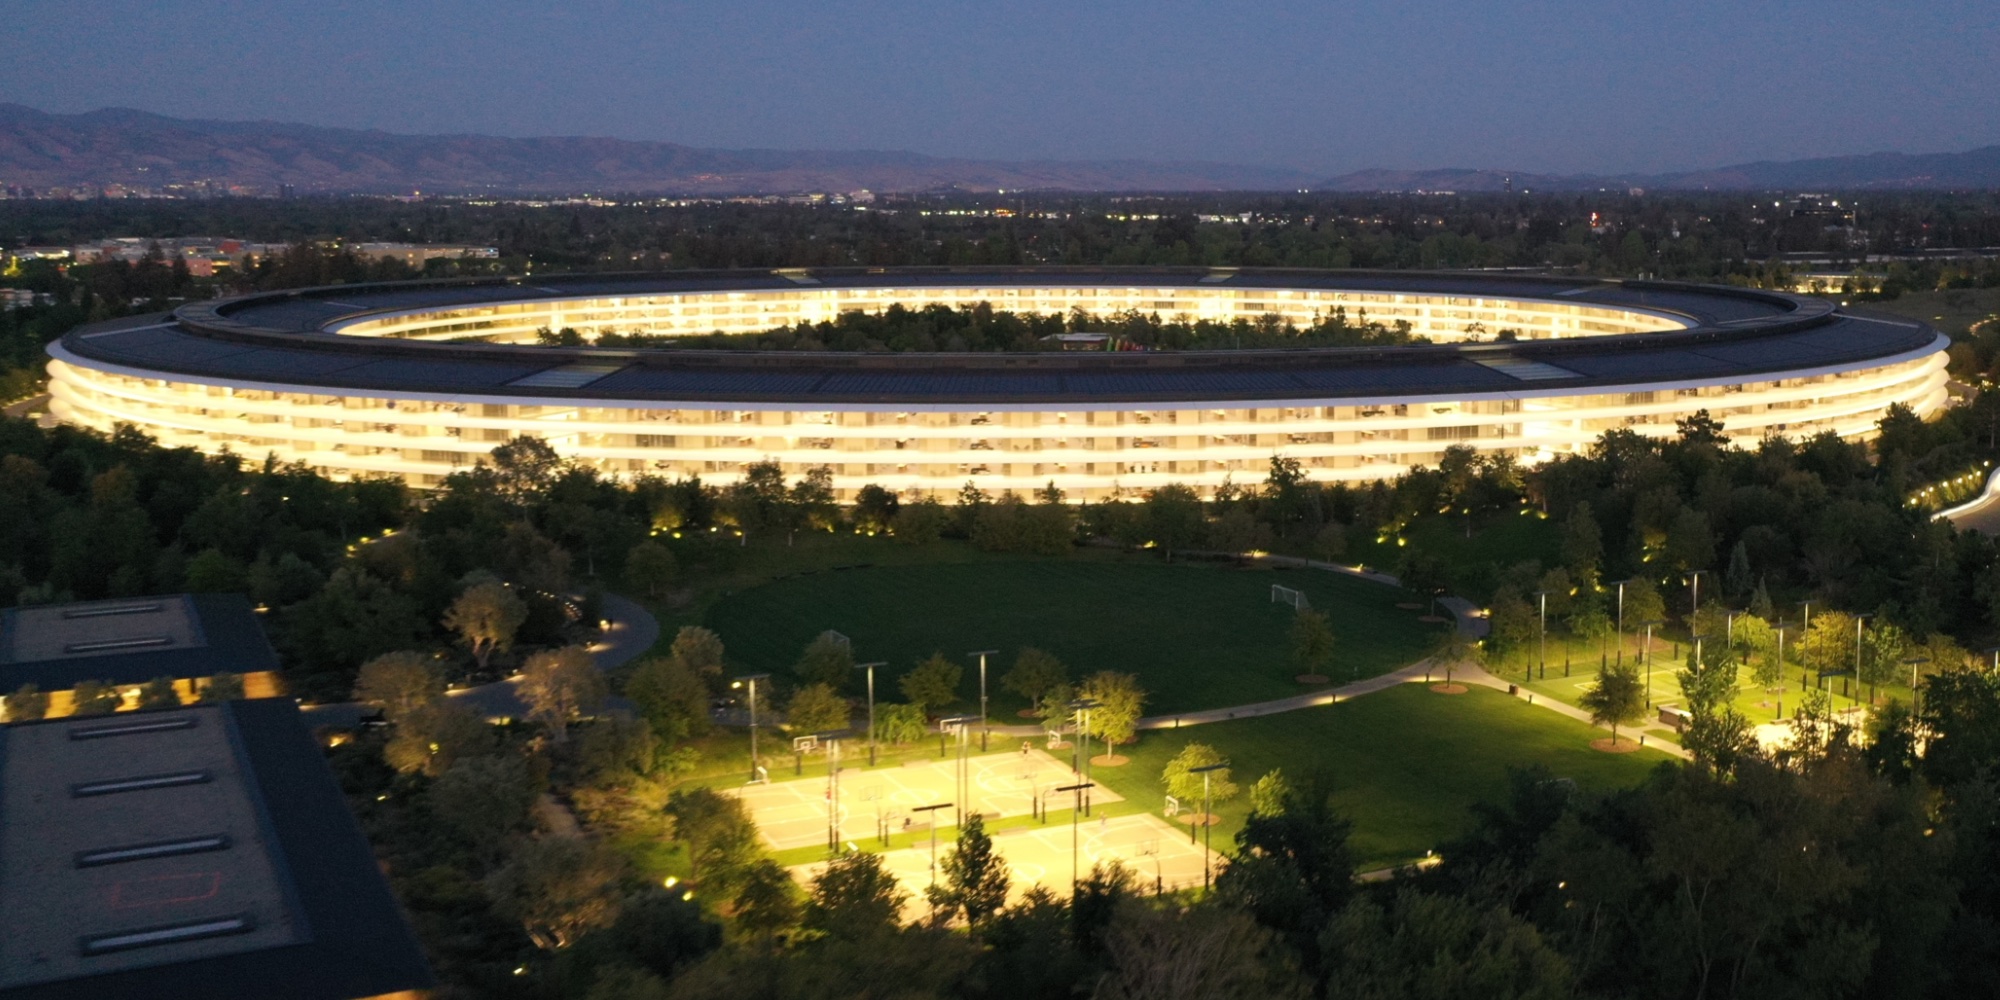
x,y
419,380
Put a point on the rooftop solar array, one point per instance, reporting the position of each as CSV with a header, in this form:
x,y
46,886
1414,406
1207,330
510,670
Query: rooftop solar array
x,y
1740,335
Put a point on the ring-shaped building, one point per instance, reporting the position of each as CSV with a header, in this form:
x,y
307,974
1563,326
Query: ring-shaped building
x,y
417,380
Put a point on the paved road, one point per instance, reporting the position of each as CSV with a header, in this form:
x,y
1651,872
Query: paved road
x,y
33,404
633,631
1982,513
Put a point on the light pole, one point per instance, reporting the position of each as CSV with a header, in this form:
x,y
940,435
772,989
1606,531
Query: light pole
x,y
1779,627
1207,821
1078,788
1995,650
750,680
1080,711
1729,628
870,667
1543,597
985,727
1913,663
932,810
1858,619
961,771
1621,619
1647,654
832,741
1694,605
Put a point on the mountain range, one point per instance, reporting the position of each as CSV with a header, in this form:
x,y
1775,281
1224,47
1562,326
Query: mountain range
x,y
120,146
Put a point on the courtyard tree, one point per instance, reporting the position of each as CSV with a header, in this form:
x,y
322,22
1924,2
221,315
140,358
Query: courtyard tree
x,y
1183,783
1454,648
222,686
1267,793
715,829
699,649
486,617
671,695
1114,720
560,686
158,693
1616,698
1174,518
975,877
558,888
487,799
1312,642
900,723
932,683
815,708
766,900
1034,673
399,683
432,738
94,698
828,660
1717,735
855,896
652,566
27,704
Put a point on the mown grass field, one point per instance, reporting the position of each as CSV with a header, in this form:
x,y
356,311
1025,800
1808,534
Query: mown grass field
x,y
1197,635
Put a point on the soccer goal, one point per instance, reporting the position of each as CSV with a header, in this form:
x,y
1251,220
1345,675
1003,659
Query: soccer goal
x,y
1286,595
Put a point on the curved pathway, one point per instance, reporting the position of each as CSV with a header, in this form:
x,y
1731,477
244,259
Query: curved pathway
x,y
633,631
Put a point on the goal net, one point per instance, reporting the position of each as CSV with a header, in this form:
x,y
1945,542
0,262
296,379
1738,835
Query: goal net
x,y
1286,595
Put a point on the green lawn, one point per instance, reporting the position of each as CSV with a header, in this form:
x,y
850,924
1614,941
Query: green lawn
x,y
1198,636
1953,310
1407,762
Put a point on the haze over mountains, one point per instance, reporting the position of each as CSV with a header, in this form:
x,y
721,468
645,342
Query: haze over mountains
x,y
140,149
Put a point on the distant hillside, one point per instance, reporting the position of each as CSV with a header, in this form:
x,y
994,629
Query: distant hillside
x,y
137,148
122,146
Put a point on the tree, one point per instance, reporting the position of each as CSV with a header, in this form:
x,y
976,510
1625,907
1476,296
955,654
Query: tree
x,y
433,738
671,695
561,685
1582,545
932,683
1114,720
854,897
1716,735
1882,651
1237,531
1516,624
1617,698
716,830
223,686
486,617
652,566
874,509
920,523
486,799
1756,642
1454,648
1292,869
1267,794
699,649
1184,784
1331,542
27,704
1174,517
975,877
815,708
158,693
1034,673
1429,946
827,660
524,467
94,698
1643,603
559,888
1312,642
900,723
399,683
1828,646
766,900
1193,953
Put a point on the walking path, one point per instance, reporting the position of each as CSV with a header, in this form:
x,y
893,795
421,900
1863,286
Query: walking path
x,y
633,631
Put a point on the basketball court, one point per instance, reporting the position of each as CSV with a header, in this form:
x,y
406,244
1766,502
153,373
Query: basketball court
x,y
794,813
1040,855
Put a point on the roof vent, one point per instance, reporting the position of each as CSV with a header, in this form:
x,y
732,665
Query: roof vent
x,y
149,937
157,849
143,784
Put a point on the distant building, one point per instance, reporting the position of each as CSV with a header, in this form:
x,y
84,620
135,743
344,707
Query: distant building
x,y
416,254
129,641
198,853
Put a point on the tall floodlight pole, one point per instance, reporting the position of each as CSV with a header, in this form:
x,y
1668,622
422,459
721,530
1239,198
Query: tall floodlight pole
x,y
1913,663
932,810
985,726
1780,626
1648,655
1621,620
750,681
832,742
1207,821
1858,619
961,771
1074,875
1694,603
1081,752
1543,597
1995,651
870,667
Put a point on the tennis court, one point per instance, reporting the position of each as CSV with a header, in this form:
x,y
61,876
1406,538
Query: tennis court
x,y
1154,850
794,813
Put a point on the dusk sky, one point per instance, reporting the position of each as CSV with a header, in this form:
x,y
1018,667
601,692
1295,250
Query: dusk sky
x,y
1561,85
